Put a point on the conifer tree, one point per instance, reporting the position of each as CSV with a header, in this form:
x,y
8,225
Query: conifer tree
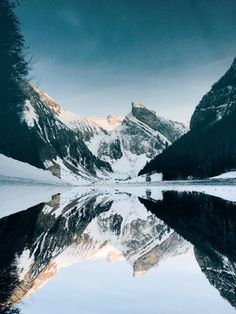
x,y
13,65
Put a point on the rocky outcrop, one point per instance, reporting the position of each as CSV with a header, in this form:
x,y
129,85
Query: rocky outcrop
x,y
172,130
219,102
132,141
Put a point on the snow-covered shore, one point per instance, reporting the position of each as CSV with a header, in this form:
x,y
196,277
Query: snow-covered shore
x,y
15,170
23,186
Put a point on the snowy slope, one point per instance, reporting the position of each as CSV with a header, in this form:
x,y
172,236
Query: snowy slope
x,y
89,125
125,143
15,171
44,141
227,175
139,138
12,169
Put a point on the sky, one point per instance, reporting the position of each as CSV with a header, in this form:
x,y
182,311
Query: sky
x,y
176,285
95,57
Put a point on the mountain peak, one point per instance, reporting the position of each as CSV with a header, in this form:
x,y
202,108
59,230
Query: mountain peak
x,y
140,112
111,117
113,120
48,101
137,105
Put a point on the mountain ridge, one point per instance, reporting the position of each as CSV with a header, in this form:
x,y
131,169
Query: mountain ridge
x,y
208,149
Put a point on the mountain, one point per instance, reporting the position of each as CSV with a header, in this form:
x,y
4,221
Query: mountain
x,y
208,149
83,148
218,103
33,134
126,143
78,226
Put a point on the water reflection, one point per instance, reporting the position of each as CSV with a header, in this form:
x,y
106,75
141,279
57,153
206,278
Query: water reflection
x,y
209,223
92,225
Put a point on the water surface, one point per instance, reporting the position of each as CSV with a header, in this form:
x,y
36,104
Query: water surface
x,y
97,251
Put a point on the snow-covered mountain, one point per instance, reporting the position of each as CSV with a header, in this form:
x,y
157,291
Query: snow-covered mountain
x,y
125,143
73,147
34,134
77,226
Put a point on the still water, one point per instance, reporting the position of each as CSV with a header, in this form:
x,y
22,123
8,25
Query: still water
x,y
93,251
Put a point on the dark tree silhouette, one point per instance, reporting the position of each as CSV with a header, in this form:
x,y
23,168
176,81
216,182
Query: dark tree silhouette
x,y
201,153
13,65
13,82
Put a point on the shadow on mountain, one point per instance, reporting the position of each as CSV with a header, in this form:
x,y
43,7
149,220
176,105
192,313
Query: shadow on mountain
x,y
209,223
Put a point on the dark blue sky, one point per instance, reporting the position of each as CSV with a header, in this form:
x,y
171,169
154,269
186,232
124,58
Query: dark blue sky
x,y
96,56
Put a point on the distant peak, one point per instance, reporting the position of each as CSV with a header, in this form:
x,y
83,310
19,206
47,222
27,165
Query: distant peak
x,y
111,116
138,109
114,120
137,105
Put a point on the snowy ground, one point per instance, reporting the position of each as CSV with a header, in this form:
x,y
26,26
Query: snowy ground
x,y
227,175
17,171
17,197
23,186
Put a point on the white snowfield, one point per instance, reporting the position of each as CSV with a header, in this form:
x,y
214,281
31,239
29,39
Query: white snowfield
x,y
75,121
227,175
23,186
15,170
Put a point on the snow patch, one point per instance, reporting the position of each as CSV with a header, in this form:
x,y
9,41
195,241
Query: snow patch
x,y
29,115
14,169
226,175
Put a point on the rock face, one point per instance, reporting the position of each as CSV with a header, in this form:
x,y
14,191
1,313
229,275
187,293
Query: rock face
x,y
80,226
219,102
208,149
172,130
126,143
44,141
141,136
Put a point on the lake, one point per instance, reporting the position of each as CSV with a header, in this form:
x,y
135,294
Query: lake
x,y
119,250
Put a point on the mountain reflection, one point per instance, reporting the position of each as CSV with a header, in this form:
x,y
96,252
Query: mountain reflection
x,y
49,236
91,225
209,223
